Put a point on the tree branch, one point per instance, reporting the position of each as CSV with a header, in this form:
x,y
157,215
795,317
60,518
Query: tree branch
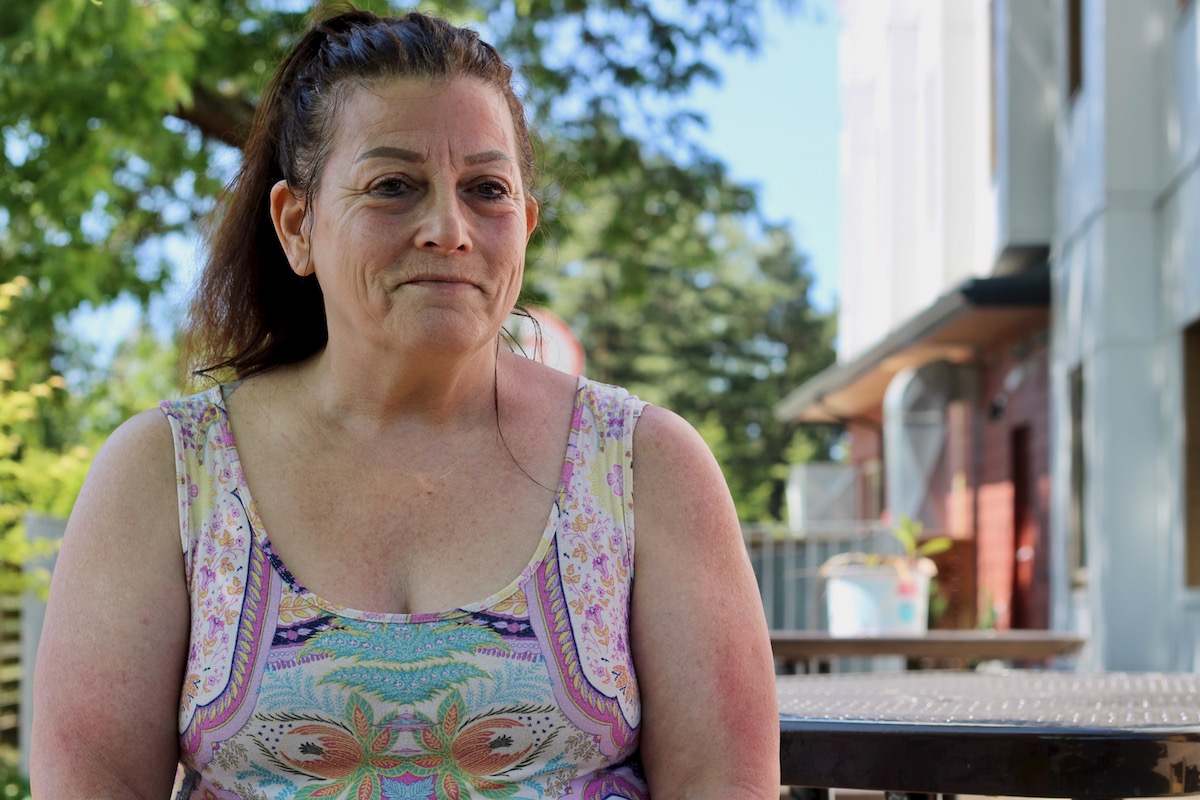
x,y
226,119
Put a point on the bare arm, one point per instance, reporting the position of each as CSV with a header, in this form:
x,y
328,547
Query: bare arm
x,y
710,721
111,658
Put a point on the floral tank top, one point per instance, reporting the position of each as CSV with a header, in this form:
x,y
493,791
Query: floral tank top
x,y
530,693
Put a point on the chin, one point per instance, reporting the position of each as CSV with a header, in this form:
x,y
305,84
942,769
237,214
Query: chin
x,y
449,335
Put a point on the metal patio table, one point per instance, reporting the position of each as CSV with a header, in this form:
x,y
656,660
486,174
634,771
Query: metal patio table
x,y
1021,733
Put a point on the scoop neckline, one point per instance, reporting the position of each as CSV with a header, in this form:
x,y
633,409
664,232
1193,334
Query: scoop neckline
x,y
259,532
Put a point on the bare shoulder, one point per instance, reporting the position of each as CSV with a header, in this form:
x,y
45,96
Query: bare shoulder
x,y
136,462
116,627
128,506
143,436
676,474
661,433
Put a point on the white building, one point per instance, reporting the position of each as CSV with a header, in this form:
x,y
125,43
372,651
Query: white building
x,y
992,151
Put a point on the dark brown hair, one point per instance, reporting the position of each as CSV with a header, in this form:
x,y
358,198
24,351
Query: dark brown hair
x,y
250,311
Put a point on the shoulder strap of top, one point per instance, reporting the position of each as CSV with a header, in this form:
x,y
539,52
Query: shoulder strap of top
x,y
611,413
632,408
202,453
588,594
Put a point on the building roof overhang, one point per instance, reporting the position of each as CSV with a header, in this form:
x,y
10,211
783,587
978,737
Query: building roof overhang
x,y
956,327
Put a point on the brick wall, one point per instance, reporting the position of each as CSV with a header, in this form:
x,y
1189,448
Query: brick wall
x,y
1014,422
1008,422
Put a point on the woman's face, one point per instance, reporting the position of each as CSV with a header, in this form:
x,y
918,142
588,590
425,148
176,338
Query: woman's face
x,y
418,226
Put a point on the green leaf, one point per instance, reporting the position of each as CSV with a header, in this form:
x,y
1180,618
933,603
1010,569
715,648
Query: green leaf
x,y
935,546
115,116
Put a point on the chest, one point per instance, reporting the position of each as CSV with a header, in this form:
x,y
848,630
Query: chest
x,y
404,535
502,697
531,694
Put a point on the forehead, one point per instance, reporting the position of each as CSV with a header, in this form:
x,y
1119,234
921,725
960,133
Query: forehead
x,y
461,113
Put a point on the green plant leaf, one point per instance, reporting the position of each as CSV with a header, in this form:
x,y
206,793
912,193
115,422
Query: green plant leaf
x,y
934,546
907,531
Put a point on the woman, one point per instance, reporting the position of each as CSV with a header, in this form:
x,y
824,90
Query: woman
x,y
276,583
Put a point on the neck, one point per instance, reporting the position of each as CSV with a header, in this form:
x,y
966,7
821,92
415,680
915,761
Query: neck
x,y
376,392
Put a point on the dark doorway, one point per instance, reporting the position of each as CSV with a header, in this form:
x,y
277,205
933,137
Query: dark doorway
x,y
1023,614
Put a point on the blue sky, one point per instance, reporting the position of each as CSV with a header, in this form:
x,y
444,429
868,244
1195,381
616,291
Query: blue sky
x,y
774,120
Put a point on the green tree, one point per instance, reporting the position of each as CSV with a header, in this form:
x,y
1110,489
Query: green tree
x,y
721,329
45,480
118,117
32,478
121,119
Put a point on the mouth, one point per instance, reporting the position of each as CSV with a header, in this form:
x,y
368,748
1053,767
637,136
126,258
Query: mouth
x,y
439,281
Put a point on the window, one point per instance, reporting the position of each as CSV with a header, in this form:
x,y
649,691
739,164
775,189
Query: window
x,y
1075,513
1191,449
1074,48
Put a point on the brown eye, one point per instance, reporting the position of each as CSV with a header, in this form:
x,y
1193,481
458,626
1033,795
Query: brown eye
x,y
492,190
390,187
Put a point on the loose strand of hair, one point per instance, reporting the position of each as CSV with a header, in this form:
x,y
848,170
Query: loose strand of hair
x,y
500,428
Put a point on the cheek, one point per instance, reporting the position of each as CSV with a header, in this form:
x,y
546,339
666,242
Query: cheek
x,y
512,274
357,253
509,249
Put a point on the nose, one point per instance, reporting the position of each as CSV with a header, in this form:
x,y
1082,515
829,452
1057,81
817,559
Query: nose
x,y
443,226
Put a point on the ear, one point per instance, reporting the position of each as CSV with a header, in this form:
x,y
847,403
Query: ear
x,y
287,212
531,218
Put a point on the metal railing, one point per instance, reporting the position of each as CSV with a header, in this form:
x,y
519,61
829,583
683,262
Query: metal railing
x,y
786,563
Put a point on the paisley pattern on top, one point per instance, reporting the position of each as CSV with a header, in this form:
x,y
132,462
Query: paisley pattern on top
x,y
530,693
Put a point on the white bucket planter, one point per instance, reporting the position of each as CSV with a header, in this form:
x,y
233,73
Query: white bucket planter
x,y
877,599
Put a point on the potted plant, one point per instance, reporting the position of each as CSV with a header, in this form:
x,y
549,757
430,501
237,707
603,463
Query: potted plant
x,y
877,593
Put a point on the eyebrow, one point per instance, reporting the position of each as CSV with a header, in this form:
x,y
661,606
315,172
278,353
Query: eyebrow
x,y
488,156
412,156
392,152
